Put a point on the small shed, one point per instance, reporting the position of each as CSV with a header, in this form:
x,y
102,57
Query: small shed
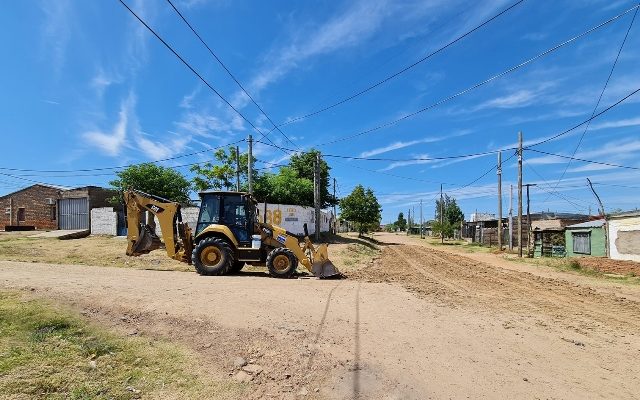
x,y
624,236
586,239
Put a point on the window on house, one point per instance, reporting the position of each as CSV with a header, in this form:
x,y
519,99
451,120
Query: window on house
x,y
53,213
582,242
21,216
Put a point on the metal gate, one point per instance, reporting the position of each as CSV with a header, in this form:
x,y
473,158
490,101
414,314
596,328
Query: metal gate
x,y
73,213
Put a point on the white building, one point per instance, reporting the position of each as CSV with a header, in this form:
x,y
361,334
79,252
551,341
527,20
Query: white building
x,y
624,236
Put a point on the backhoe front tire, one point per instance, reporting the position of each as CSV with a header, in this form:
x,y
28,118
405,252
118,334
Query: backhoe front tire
x,y
212,256
282,263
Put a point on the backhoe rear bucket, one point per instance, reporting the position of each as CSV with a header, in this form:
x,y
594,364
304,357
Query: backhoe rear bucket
x,y
322,267
147,242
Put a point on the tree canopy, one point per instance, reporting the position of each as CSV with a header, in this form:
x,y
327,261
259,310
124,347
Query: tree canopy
x,y
303,164
362,208
284,187
452,217
401,223
153,179
221,175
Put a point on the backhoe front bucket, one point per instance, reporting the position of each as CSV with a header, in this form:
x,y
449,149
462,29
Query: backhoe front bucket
x,y
147,242
322,267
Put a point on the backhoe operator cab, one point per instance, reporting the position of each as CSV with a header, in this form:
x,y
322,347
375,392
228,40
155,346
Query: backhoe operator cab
x,y
227,236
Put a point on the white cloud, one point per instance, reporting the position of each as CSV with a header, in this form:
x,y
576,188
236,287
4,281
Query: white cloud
x,y
621,123
520,98
157,149
56,31
112,142
204,124
397,164
402,145
101,81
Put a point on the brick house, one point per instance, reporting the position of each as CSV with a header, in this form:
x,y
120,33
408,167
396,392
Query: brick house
x,y
48,207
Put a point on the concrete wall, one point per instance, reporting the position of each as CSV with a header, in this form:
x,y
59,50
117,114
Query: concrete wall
x,y
598,248
104,221
293,218
624,234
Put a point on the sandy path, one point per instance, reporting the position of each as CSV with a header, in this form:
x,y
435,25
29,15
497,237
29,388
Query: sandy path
x,y
464,330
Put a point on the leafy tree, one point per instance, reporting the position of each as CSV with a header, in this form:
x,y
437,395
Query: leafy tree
x,y
452,213
153,179
303,164
401,223
444,229
284,187
392,227
362,208
221,174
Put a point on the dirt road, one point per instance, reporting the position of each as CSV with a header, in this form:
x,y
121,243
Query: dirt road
x,y
419,323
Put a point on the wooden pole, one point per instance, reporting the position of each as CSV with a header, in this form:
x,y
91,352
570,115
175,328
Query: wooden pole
x,y
519,194
335,216
500,201
237,168
316,194
421,223
510,217
250,165
441,216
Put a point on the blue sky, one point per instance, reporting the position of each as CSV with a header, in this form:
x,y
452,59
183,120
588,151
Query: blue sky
x,y
85,85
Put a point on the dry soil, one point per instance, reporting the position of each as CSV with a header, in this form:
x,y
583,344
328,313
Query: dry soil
x,y
416,323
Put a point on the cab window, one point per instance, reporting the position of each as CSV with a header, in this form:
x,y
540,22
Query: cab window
x,y
209,212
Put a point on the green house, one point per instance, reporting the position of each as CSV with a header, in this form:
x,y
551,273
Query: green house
x,y
586,239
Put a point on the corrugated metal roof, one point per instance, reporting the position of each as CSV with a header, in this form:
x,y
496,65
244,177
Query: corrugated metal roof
x,y
589,224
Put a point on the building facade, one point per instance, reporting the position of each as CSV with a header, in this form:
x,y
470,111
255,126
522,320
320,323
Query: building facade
x,y
624,236
586,239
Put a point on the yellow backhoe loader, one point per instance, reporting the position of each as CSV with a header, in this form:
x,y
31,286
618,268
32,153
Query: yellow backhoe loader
x,y
228,235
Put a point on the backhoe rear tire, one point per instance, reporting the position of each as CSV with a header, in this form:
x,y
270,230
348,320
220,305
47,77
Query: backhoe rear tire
x,y
282,263
212,256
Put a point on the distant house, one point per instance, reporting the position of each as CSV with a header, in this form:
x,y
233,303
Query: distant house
x,y
624,236
47,207
549,232
586,239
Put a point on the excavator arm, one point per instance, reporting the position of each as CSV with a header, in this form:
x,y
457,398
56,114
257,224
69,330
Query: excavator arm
x,y
142,238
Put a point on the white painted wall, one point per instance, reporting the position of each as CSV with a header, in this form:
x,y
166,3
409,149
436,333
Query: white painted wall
x,y
293,218
617,225
104,221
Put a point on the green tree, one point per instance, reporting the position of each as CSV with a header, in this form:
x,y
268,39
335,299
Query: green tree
x,y
452,213
444,229
362,208
401,223
284,187
153,179
303,164
221,174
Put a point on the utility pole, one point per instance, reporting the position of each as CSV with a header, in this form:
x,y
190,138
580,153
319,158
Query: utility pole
x,y
237,168
335,216
250,165
421,222
408,221
500,201
413,213
606,224
441,216
316,194
528,219
520,194
510,217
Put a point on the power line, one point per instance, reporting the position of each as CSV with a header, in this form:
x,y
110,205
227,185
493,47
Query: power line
x,y
554,137
584,160
229,72
482,83
613,67
175,53
121,166
405,69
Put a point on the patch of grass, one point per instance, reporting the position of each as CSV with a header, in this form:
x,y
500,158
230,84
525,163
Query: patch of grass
x,y
357,254
49,352
573,265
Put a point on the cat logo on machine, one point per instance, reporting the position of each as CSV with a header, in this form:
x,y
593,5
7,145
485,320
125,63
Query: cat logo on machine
x,y
281,239
155,208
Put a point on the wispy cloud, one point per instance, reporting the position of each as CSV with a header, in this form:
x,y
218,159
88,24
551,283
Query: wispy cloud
x,y
102,80
112,142
621,123
402,145
206,124
56,31
157,149
397,164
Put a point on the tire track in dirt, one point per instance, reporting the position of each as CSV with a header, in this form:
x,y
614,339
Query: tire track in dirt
x,y
458,281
